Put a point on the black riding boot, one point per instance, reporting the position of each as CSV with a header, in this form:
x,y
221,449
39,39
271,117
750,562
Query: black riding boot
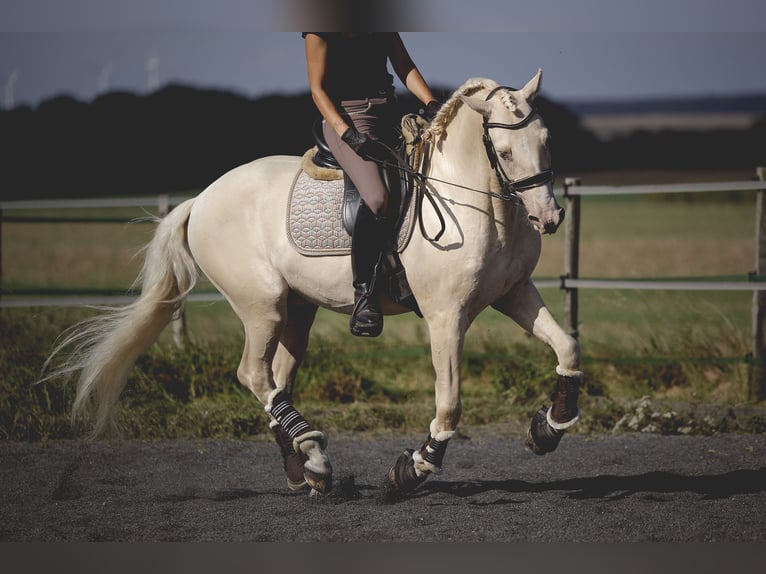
x,y
367,243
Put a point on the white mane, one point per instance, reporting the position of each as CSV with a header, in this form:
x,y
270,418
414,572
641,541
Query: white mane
x,y
448,111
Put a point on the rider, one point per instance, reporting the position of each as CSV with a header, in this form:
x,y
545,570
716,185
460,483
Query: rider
x,y
353,90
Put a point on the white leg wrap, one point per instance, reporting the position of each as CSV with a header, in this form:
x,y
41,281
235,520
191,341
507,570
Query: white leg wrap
x,y
316,435
312,444
422,466
567,373
562,426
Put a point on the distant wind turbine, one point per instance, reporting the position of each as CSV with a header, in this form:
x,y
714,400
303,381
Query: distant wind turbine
x,y
153,72
105,78
8,92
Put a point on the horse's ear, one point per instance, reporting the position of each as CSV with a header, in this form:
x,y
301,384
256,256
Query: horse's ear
x,y
533,86
477,105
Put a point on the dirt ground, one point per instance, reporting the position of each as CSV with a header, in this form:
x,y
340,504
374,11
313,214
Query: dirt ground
x,y
608,488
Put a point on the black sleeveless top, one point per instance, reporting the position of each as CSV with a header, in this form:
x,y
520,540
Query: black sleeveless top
x,y
357,65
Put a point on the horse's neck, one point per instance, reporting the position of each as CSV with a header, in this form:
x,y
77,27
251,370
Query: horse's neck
x,y
461,159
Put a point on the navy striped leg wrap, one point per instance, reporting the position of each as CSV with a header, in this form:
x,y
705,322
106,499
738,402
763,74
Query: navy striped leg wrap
x,y
289,419
433,451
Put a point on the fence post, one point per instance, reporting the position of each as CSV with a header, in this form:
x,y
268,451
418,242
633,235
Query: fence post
x,y
757,382
571,253
179,322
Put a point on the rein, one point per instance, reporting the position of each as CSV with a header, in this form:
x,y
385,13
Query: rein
x,y
510,187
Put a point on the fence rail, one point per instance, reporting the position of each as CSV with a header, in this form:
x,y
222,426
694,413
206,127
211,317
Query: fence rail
x,y
570,281
159,201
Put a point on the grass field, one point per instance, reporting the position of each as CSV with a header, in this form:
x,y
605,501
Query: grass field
x,y
668,346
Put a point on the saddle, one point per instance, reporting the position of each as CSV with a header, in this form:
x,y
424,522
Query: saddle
x,y
397,181
320,164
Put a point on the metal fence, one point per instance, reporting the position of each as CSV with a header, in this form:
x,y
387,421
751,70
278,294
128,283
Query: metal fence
x,y
569,281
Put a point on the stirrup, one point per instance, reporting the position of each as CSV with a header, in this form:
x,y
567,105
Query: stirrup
x,y
366,318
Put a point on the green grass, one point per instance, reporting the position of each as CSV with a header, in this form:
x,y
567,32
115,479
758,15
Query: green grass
x,y
638,346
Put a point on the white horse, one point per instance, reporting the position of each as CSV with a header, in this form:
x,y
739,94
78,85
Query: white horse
x,y
490,175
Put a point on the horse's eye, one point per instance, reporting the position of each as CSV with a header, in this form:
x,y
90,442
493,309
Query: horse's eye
x,y
505,155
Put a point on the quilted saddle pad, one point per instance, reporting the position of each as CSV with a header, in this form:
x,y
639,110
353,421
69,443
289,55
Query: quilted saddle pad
x,y
314,218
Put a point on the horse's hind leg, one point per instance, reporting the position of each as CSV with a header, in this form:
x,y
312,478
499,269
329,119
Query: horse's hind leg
x,y
263,330
525,306
290,351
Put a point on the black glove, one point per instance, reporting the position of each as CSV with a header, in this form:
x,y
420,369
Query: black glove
x,y
364,146
431,110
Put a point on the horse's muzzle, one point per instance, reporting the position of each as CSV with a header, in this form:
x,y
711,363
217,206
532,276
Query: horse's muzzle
x,y
550,225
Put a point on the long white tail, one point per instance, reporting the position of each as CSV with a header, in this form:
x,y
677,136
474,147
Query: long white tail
x,y
105,347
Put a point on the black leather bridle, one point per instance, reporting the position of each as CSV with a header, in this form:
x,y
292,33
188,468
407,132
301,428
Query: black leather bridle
x,y
512,187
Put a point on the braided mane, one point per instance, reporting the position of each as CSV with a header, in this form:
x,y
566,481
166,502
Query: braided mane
x,y
448,111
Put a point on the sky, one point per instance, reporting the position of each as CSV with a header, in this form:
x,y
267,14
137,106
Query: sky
x,y
588,49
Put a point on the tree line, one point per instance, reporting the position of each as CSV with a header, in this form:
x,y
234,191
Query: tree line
x,y
180,139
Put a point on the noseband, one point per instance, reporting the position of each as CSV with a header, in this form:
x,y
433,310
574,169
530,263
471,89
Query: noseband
x,y
512,187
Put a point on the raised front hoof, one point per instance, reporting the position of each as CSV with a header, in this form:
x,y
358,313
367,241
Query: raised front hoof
x,y
542,438
402,478
319,483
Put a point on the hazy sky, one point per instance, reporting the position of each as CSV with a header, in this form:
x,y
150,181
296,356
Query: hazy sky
x,y
588,49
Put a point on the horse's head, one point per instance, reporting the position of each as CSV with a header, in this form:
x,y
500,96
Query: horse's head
x,y
516,140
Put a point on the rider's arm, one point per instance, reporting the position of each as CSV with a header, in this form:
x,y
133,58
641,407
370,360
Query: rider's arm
x,y
407,71
316,62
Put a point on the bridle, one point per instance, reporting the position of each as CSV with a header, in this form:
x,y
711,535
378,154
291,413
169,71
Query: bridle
x,y
512,187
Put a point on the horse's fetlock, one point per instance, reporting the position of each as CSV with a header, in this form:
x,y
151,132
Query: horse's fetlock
x,y
568,354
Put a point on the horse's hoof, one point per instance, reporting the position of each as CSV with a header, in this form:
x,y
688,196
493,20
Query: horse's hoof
x,y
316,495
322,483
402,477
542,438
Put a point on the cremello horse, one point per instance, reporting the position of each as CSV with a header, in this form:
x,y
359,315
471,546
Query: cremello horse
x,y
490,175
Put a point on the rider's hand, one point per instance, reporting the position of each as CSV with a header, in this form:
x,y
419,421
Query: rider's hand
x,y
431,110
364,146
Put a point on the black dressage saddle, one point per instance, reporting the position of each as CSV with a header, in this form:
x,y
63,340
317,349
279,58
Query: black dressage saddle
x,y
398,181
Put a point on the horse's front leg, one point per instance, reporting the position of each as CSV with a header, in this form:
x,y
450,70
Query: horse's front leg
x,y
414,466
525,306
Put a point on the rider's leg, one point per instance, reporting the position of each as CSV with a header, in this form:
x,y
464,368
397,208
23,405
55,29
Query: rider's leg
x,y
371,232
